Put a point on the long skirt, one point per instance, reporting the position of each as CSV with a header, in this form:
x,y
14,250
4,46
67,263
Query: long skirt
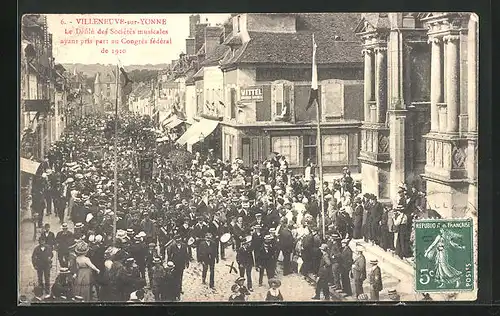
x,y
83,284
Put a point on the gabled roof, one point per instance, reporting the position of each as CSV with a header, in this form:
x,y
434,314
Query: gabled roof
x,y
216,55
198,74
201,51
233,40
189,76
295,48
334,34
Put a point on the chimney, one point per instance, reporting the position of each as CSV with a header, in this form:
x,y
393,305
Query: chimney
x,y
193,20
228,29
212,38
199,36
190,46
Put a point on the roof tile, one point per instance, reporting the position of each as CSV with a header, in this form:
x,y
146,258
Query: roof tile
x,y
334,35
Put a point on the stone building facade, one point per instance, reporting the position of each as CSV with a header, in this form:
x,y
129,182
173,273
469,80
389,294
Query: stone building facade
x,y
420,107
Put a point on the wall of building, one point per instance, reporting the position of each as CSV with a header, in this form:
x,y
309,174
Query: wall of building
x,y
262,22
304,73
190,102
230,143
213,79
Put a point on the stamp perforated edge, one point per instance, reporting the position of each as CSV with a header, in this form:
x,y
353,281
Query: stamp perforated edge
x,y
473,256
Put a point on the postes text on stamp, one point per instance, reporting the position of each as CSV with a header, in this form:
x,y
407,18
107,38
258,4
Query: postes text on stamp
x,y
444,255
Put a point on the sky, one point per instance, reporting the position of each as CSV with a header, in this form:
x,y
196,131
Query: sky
x,y
73,43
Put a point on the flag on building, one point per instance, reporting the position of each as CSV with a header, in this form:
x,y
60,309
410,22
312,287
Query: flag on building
x,y
314,82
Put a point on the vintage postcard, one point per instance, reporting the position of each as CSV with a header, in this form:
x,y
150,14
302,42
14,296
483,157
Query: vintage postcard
x,y
248,157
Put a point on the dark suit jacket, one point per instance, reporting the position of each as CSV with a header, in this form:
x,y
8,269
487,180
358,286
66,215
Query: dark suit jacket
x,y
376,279
41,259
179,256
207,254
51,239
244,257
346,258
272,219
215,229
324,267
285,239
266,256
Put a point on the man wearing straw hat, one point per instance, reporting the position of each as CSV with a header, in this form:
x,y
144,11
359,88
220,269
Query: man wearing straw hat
x,y
359,270
323,274
208,256
245,260
375,280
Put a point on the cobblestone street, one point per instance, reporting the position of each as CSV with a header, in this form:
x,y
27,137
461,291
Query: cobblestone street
x,y
27,276
293,287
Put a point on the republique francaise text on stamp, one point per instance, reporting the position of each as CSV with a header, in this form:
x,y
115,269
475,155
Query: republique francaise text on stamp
x,y
444,255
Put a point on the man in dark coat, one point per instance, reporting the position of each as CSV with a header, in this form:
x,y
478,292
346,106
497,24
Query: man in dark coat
x,y
64,239
272,217
323,274
215,228
138,250
307,253
376,213
266,259
285,244
375,280
177,252
359,271
357,217
335,255
245,261
49,236
346,262
42,262
150,256
316,254
208,256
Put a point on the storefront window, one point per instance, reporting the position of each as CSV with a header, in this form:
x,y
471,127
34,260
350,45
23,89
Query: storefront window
x,y
335,149
287,146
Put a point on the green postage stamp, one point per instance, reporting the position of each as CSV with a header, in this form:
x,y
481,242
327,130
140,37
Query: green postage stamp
x,y
444,255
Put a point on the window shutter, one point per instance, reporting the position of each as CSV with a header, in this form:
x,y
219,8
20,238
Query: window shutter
x,y
332,100
290,101
273,100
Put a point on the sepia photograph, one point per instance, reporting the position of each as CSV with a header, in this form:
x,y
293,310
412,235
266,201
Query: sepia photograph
x,y
259,157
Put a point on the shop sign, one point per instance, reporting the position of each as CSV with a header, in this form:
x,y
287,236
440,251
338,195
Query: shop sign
x,y
252,94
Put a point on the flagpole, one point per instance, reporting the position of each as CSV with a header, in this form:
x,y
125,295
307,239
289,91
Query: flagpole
x,y
115,147
319,143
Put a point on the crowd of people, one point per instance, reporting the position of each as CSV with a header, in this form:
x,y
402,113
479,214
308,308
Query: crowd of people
x,y
199,209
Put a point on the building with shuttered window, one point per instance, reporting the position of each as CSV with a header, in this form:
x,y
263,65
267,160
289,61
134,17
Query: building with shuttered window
x,y
267,81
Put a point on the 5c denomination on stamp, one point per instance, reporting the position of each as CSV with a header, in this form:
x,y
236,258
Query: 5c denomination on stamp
x,y
444,255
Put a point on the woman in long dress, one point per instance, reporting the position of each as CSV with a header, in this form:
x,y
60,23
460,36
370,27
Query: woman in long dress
x,y
82,285
438,252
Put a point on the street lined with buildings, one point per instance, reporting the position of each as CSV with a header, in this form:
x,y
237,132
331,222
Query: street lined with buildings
x,y
397,106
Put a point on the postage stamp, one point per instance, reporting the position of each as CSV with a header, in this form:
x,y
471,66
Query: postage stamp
x,y
444,255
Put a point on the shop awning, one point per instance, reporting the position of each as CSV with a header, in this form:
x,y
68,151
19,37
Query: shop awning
x,y
30,166
198,131
207,128
172,122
